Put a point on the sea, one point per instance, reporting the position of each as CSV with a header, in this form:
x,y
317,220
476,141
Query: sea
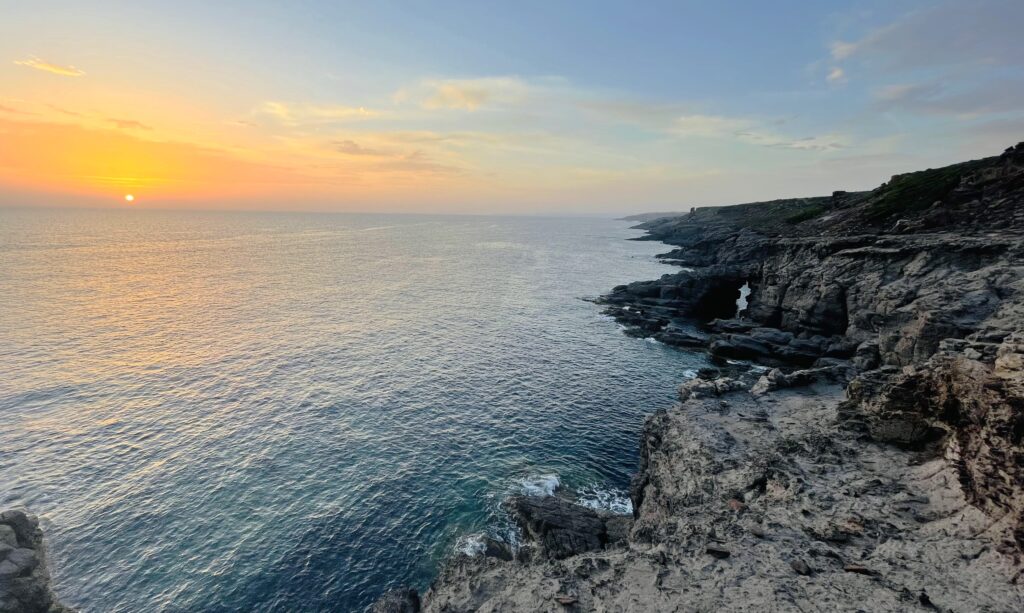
x,y
228,411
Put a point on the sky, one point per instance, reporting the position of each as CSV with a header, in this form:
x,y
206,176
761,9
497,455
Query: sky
x,y
585,107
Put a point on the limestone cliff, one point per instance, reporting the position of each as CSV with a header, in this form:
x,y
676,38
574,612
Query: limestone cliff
x,y
879,466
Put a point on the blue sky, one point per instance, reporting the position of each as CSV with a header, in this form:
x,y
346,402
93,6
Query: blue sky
x,y
574,107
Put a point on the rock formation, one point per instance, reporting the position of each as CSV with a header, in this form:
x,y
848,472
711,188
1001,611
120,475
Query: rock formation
x,y
24,577
879,466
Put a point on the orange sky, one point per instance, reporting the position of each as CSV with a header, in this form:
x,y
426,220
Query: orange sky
x,y
458,107
108,164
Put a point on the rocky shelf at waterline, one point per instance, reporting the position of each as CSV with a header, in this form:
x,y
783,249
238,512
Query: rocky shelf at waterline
x,y
879,466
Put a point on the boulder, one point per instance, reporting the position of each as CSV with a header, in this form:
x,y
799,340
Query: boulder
x,y
400,600
562,529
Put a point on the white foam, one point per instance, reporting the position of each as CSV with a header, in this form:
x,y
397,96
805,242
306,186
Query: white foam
x,y
540,485
603,499
653,341
471,544
690,373
749,365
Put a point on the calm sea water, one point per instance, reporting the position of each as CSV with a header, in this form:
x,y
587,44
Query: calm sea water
x,y
295,412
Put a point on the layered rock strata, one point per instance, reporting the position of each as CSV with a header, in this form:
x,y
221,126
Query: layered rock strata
x,y
878,467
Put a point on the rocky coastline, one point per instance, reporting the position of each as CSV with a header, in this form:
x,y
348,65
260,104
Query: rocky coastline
x,y
859,446
875,460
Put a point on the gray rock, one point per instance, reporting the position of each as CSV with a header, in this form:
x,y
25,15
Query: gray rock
x,y
24,577
800,567
498,549
401,600
562,528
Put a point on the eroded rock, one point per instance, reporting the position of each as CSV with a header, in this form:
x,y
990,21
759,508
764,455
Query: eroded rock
x,y
562,528
24,576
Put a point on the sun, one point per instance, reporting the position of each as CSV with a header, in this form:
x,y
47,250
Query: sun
x,y
129,198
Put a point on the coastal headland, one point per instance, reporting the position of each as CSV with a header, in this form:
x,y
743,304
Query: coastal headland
x,y
859,448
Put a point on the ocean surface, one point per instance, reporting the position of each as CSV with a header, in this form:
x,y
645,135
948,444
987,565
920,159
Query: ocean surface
x,y
295,412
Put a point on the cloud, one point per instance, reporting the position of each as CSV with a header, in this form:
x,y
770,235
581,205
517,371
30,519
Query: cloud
x,y
295,114
466,94
707,125
65,111
128,124
13,111
836,75
966,100
841,50
351,147
981,32
750,132
417,162
38,64
825,142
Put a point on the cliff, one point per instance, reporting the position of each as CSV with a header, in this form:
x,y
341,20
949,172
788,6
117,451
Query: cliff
x,y
24,576
878,466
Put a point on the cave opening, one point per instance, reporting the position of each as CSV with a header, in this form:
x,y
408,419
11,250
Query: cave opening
x,y
723,299
743,301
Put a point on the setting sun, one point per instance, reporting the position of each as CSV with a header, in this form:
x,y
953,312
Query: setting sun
x,y
129,198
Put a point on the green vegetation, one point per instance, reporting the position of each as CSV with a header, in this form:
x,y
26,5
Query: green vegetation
x,y
804,214
763,216
917,191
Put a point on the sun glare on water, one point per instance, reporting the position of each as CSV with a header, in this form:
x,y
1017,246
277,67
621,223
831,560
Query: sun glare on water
x,y
129,198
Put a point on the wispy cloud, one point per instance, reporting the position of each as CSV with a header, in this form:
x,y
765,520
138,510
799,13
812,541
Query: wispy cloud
x,y
38,64
708,126
981,32
13,111
351,147
128,124
840,50
466,94
836,75
417,162
965,100
64,111
751,132
294,114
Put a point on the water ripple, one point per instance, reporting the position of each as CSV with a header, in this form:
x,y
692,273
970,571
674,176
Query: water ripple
x,y
271,412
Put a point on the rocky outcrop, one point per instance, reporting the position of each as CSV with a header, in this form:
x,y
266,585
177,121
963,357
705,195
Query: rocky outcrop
x,y
560,528
975,408
766,502
24,576
401,600
878,466
865,268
